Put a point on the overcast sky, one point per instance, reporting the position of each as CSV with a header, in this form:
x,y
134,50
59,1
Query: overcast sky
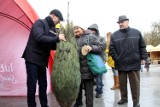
x,y
141,13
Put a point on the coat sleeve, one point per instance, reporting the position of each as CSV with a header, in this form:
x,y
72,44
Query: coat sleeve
x,y
112,50
104,44
39,34
142,46
97,46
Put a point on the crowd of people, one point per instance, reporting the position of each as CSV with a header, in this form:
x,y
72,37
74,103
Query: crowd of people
x,y
124,51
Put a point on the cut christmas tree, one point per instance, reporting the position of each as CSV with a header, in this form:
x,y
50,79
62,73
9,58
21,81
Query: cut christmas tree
x,y
66,71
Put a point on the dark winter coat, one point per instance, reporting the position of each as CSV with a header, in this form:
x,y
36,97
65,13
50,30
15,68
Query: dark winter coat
x,y
96,48
127,48
101,39
40,42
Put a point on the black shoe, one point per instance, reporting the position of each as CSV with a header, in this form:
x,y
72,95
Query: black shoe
x,y
120,102
98,95
78,105
136,105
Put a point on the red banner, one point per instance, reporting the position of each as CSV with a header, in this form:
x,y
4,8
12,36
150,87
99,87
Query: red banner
x,y
15,27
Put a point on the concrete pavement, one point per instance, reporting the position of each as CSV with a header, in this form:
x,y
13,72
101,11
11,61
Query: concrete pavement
x,y
149,93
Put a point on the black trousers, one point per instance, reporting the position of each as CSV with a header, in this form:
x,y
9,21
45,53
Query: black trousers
x,y
34,74
88,86
134,80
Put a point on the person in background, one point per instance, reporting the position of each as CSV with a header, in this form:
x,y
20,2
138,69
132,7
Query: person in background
x,y
111,64
42,39
142,67
128,50
147,64
99,81
87,78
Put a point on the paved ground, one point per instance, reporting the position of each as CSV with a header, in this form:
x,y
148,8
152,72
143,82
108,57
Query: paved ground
x,y
149,97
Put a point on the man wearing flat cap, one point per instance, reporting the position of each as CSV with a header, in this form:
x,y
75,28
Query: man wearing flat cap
x,y
122,18
42,39
128,50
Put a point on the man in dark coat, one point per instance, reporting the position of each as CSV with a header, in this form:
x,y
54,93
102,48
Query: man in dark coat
x,y
128,50
41,40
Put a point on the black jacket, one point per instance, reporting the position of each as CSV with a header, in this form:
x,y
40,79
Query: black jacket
x,y
127,48
40,42
97,48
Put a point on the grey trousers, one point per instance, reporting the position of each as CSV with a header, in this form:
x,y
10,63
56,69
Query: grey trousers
x,y
134,80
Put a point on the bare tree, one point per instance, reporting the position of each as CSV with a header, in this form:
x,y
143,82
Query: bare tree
x,y
153,37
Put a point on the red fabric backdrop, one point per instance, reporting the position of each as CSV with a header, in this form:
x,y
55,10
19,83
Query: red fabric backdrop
x,y
16,19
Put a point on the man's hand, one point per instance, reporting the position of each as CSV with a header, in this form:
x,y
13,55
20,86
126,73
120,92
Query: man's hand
x,y
62,37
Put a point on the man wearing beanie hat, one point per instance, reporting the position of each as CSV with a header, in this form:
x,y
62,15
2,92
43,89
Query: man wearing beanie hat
x,y
87,78
42,38
57,13
99,82
128,50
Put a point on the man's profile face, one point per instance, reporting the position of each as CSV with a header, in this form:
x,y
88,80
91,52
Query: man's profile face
x,y
55,19
92,31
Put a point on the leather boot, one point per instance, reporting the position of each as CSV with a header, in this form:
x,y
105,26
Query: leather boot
x,y
116,83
